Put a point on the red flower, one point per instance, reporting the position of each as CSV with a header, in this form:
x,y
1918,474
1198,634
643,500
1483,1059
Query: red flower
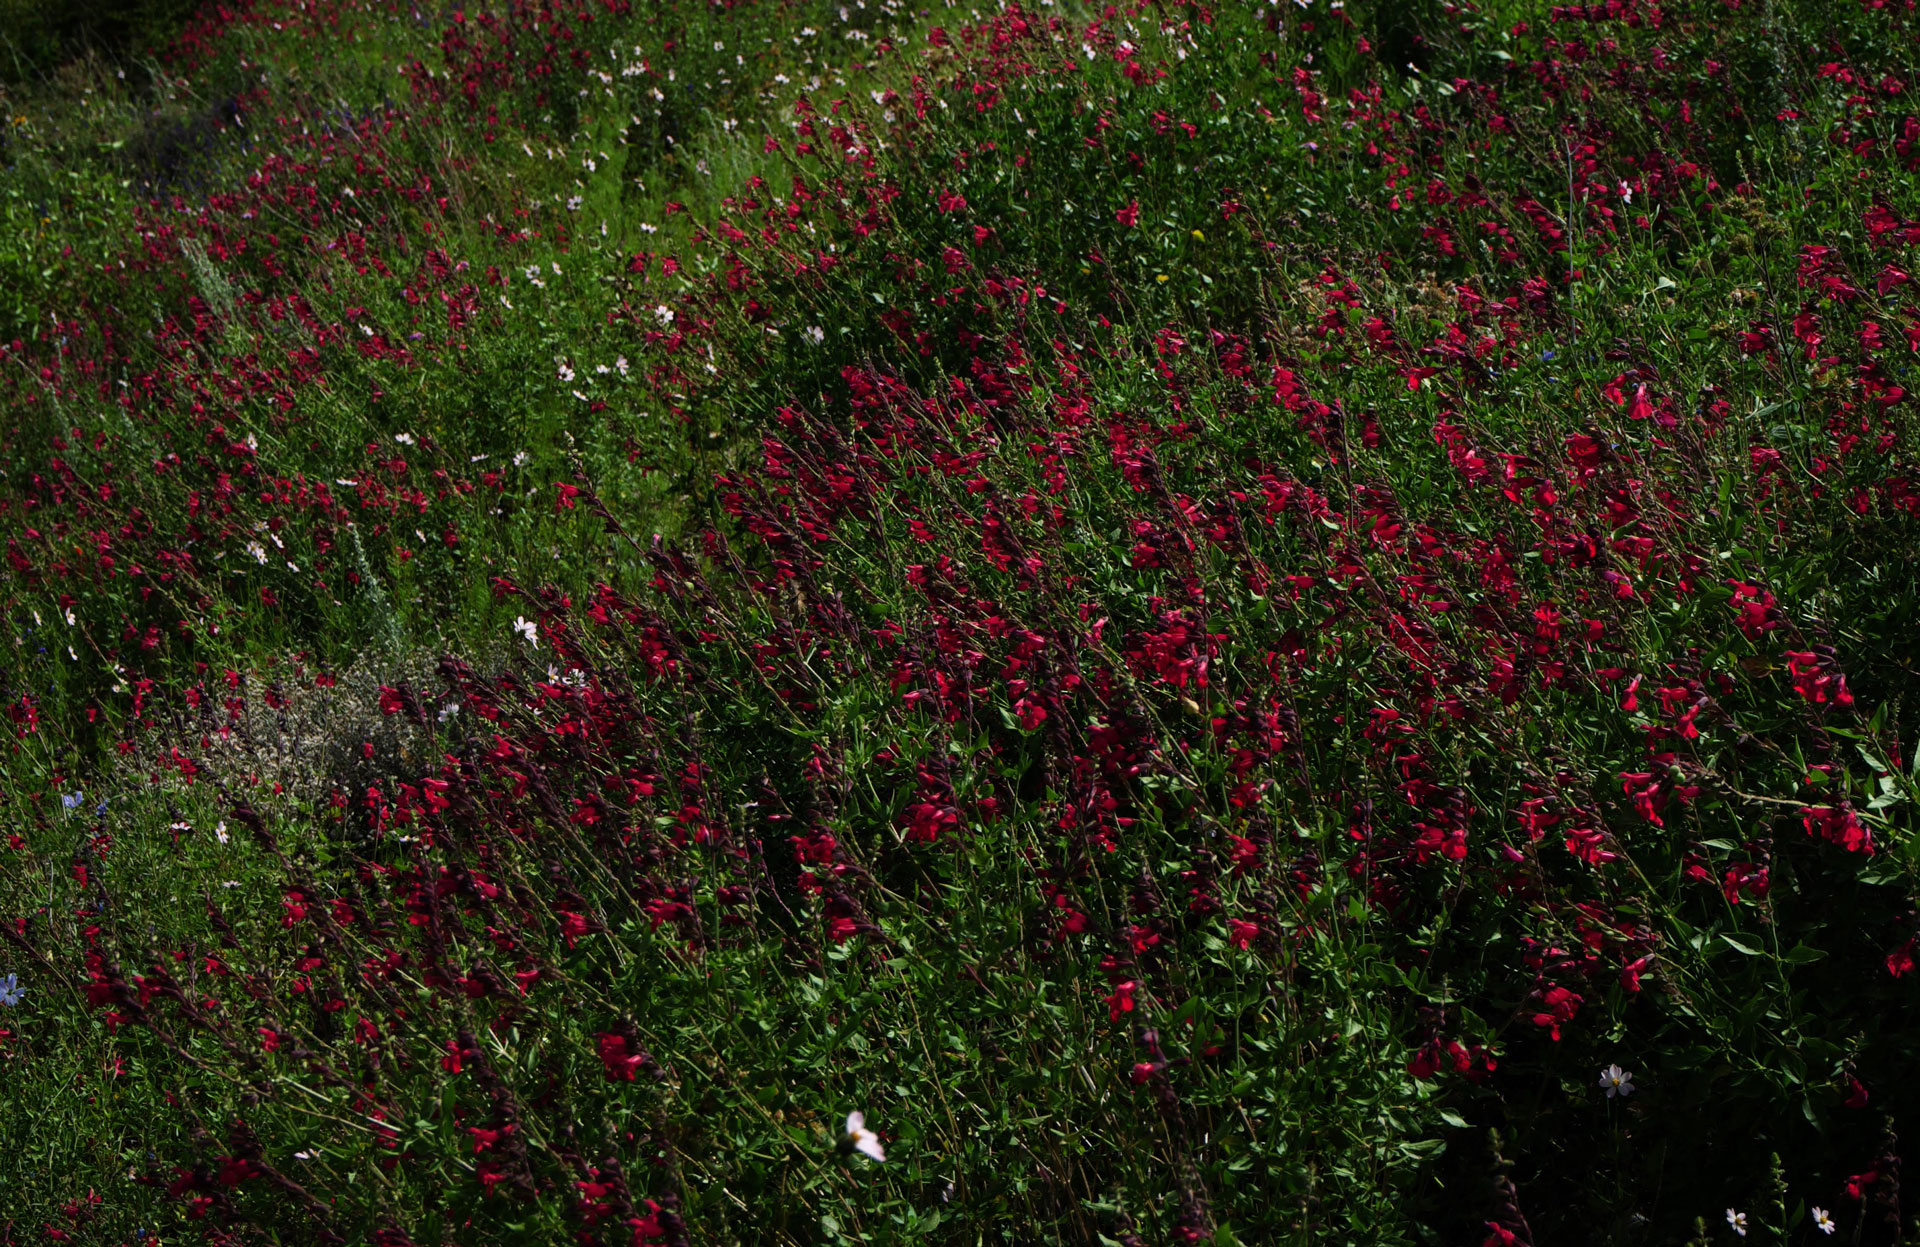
x,y
1121,1001
484,1138
1240,933
1840,825
620,1064
1129,216
1561,1006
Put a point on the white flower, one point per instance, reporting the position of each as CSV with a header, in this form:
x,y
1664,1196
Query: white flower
x,y
1616,1081
1824,1219
1738,1220
861,1139
405,439
663,314
528,629
520,458
220,833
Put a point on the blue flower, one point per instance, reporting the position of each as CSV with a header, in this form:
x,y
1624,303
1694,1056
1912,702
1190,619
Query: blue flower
x,y
72,800
10,990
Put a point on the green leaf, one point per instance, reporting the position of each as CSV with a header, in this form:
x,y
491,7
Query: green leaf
x,y
1738,947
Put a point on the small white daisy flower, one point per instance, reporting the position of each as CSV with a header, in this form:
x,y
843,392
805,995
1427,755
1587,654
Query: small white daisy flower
x,y
1616,1081
861,1139
1738,1220
1824,1219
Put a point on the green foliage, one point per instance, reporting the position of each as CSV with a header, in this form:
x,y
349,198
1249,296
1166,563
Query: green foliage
x,y
38,36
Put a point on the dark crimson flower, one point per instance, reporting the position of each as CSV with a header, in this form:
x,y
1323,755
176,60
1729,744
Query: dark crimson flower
x,y
1561,1006
619,1060
1841,826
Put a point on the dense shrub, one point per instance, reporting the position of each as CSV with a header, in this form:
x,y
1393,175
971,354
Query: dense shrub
x,y
1281,624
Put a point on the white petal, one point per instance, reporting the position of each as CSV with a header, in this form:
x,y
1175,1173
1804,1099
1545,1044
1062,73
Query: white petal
x,y
869,1143
856,1121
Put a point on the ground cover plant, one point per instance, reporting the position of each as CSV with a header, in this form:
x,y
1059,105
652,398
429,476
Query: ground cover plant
x,y
1252,623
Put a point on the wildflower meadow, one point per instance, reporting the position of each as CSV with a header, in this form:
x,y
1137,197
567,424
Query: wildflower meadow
x,y
910,621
